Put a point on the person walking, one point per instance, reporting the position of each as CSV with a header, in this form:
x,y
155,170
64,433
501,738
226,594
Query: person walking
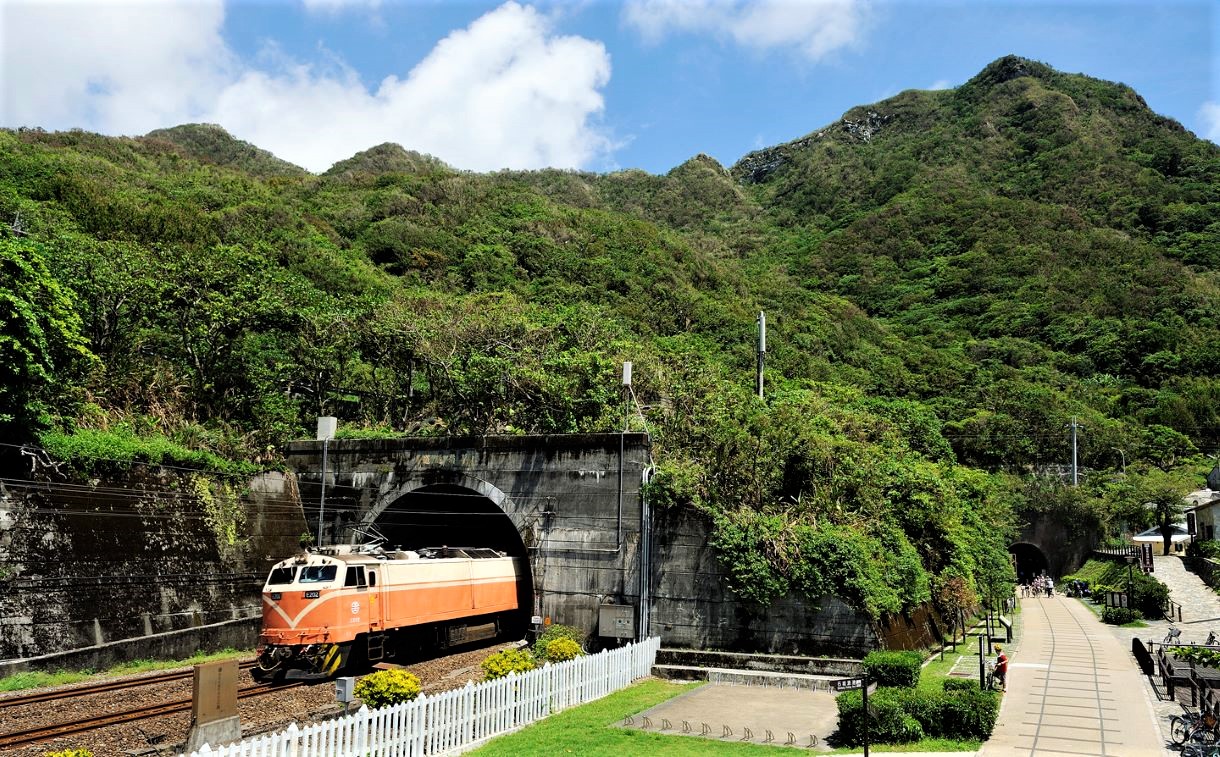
x,y
1000,674
1050,586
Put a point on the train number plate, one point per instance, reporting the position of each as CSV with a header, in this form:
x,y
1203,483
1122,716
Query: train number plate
x,y
312,595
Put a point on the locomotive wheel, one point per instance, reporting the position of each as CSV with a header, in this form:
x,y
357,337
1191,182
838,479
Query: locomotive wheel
x,y
268,669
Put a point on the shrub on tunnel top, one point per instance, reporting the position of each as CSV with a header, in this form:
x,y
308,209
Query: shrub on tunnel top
x,y
387,687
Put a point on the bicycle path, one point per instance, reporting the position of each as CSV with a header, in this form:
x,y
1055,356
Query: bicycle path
x,y
1073,689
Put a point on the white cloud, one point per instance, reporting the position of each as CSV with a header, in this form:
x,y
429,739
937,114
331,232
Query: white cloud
x,y
940,84
815,28
1209,114
113,68
504,92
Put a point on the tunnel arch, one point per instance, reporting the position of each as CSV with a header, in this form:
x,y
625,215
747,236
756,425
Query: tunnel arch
x,y
456,511
1030,561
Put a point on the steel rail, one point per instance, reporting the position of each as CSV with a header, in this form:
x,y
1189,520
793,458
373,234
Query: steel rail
x,y
105,687
44,733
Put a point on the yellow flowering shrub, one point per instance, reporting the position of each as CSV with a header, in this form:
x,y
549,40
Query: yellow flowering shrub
x,y
508,661
387,687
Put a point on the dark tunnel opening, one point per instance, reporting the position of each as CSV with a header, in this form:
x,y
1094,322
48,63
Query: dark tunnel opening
x,y
1030,561
448,515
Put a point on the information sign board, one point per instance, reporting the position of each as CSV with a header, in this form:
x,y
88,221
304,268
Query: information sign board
x,y
847,684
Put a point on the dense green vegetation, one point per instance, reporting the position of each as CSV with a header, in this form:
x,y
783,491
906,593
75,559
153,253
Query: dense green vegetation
x,y
1102,576
950,277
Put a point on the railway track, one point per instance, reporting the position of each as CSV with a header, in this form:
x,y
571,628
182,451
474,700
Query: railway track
x,y
34,735
105,687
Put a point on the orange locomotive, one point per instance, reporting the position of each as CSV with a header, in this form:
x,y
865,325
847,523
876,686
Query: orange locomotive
x,y
352,604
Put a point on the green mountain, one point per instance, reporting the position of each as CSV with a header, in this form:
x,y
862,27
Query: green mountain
x,y
209,143
949,278
385,159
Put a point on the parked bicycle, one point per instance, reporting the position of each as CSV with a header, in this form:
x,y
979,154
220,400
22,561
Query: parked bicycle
x,y
1206,731
990,674
1182,727
1200,750
1172,635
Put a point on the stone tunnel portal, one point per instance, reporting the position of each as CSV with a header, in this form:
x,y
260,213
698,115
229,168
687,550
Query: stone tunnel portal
x,y
1030,561
449,515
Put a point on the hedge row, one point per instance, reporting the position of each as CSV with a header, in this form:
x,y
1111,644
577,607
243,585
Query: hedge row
x,y
899,669
1119,615
903,715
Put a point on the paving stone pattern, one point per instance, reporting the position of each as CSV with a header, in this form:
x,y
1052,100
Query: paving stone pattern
x,y
1073,689
1199,601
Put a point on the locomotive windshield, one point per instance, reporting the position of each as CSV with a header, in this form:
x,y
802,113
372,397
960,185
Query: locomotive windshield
x,y
316,574
282,576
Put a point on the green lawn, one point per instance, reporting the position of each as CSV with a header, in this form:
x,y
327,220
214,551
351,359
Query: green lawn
x,y
590,730
37,679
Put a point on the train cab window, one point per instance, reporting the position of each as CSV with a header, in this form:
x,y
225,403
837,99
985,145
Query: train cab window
x,y
372,578
282,576
318,574
355,576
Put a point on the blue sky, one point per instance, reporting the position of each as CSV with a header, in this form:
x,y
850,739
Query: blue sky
x,y
592,85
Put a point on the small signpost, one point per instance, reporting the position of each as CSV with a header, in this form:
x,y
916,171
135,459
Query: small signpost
x,y
866,688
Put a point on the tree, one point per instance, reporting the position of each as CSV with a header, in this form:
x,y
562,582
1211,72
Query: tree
x,y
1166,502
40,338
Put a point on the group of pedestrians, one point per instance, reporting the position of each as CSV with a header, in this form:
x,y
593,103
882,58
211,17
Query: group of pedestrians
x,y
1038,586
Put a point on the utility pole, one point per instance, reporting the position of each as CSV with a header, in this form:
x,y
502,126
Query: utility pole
x,y
762,352
1075,476
326,432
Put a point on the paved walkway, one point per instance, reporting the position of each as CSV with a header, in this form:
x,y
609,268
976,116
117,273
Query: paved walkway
x,y
1199,601
1073,689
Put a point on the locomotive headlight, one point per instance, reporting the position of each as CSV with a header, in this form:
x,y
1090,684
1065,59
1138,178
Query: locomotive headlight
x,y
312,594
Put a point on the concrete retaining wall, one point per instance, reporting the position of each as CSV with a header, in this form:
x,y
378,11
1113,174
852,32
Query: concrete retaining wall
x,y
172,645
694,607
90,563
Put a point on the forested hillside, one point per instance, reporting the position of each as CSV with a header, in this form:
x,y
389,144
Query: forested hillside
x,y
950,277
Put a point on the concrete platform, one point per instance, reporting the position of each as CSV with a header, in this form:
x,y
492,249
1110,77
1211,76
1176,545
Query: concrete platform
x,y
728,713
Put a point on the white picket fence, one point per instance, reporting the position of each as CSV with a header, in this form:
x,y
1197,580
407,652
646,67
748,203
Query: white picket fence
x,y
454,721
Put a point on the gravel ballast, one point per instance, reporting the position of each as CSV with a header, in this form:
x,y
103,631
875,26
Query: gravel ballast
x,y
167,734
